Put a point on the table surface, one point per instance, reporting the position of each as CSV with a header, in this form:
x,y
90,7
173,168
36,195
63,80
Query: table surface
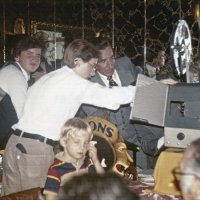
x,y
144,188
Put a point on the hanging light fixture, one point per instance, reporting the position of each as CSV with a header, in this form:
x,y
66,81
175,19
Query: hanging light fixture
x,y
113,24
83,20
197,17
197,12
54,24
180,10
4,33
28,8
145,30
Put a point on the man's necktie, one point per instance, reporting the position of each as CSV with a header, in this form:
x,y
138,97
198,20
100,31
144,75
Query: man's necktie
x,y
30,81
111,82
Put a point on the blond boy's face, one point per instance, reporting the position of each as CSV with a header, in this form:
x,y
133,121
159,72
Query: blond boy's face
x,y
77,144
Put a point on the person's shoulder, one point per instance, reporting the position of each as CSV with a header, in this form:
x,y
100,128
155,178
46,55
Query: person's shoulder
x,y
10,70
57,163
123,59
150,67
124,64
59,74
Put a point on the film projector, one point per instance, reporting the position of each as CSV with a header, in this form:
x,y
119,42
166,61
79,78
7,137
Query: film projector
x,y
174,107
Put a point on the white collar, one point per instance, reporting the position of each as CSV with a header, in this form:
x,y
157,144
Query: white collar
x,y
25,73
115,77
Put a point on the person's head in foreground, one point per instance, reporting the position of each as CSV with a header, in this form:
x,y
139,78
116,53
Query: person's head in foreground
x,y
190,172
97,187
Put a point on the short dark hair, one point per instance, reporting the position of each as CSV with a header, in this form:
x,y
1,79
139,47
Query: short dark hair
x,y
101,43
25,43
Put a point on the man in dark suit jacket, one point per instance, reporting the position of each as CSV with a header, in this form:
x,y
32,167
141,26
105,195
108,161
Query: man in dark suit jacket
x,y
124,73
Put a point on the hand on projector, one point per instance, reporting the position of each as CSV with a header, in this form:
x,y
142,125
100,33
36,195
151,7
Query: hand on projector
x,y
160,142
169,81
160,146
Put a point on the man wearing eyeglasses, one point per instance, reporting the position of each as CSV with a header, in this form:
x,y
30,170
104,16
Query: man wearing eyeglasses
x,y
53,99
112,72
189,172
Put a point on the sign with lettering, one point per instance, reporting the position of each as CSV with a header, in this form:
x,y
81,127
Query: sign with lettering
x,y
104,128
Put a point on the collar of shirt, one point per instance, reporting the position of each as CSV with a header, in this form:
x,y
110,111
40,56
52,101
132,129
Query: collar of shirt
x,y
27,76
115,77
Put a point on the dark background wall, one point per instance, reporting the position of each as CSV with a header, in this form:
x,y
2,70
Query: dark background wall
x,y
76,18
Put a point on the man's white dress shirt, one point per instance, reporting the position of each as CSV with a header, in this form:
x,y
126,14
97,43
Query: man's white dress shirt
x,y
57,96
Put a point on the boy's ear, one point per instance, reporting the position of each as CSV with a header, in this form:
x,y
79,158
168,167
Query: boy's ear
x,y
63,141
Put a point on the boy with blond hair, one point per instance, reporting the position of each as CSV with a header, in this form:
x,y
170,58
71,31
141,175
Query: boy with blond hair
x,y
79,156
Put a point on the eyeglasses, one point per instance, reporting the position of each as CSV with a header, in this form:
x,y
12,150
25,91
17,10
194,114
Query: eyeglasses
x,y
177,173
93,66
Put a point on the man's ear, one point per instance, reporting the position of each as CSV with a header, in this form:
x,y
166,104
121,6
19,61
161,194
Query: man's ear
x,y
77,61
17,58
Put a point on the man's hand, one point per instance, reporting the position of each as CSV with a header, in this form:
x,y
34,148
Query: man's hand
x,y
169,81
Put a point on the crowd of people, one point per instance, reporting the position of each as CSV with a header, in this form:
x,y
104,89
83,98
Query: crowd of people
x,y
52,110
124,73
50,101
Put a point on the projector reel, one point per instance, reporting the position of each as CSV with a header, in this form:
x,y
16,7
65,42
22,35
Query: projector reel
x,y
181,50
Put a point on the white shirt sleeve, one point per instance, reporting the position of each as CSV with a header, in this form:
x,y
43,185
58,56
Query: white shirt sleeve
x,y
110,98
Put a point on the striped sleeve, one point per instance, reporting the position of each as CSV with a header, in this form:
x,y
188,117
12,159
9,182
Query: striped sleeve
x,y
53,180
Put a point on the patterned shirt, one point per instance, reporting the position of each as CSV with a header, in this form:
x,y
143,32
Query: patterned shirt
x,y
60,171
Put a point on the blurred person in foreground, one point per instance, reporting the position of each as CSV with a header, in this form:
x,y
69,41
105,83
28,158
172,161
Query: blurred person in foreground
x,y
97,187
53,99
189,172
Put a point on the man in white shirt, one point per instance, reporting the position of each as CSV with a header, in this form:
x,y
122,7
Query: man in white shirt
x,y
14,77
52,100
123,73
